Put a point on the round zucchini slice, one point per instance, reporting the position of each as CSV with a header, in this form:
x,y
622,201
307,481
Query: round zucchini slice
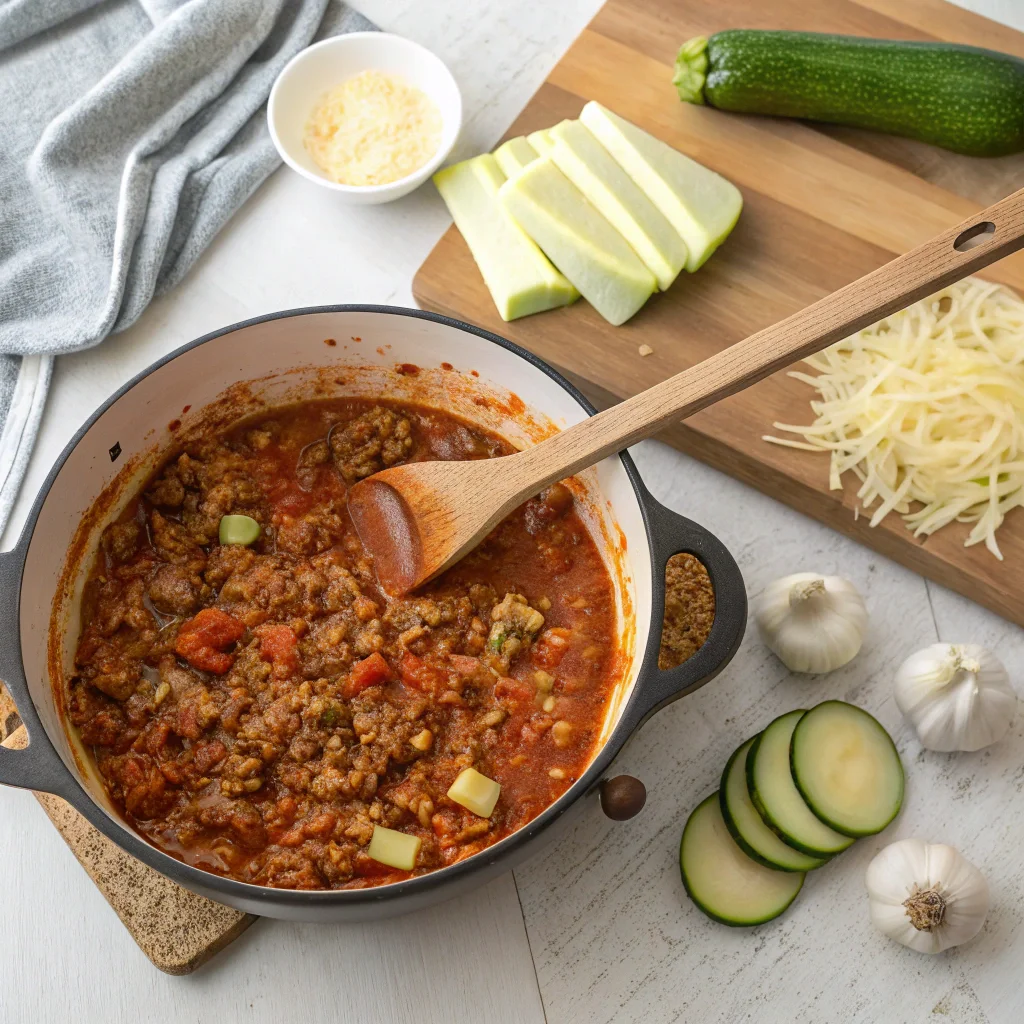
x,y
778,801
722,880
752,835
847,768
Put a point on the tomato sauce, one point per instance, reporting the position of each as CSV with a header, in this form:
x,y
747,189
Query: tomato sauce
x,y
257,711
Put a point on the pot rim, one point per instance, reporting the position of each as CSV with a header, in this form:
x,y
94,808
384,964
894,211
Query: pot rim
x,y
197,879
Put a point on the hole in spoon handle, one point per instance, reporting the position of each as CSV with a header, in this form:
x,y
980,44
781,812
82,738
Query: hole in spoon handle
x,y
975,235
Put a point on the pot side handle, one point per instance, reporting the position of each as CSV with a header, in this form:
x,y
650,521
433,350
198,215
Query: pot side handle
x,y
37,766
673,534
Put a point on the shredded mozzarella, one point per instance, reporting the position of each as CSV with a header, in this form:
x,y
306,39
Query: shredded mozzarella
x,y
926,407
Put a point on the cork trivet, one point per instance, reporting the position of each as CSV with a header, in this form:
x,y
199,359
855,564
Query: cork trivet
x,y
689,610
175,928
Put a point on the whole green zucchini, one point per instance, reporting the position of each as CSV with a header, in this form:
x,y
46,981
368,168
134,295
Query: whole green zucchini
x,y
962,98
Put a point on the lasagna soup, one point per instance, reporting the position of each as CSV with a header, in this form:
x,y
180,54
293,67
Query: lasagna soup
x,y
259,708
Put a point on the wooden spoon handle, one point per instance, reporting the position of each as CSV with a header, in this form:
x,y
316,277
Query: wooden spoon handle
x,y
948,257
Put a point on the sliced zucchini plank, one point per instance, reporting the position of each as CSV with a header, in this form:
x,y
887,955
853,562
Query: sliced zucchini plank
x,y
846,767
778,801
752,835
722,880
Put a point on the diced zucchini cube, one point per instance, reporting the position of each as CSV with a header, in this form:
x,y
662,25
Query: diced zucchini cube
x,y
396,849
475,792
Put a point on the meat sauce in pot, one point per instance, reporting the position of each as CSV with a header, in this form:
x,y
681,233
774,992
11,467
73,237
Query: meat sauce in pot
x,y
256,710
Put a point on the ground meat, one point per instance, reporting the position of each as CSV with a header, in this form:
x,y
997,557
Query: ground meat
x,y
195,712
238,818
226,561
179,679
167,492
369,443
258,710
121,540
311,458
174,544
173,589
143,786
119,680
218,484
309,534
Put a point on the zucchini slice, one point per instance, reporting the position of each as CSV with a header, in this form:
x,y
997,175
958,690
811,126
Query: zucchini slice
x,y
722,880
778,801
847,768
752,835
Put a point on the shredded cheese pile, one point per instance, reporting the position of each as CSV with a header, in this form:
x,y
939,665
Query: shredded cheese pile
x,y
926,407
373,129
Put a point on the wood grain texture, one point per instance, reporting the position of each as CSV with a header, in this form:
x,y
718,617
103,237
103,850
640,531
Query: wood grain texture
x,y
178,930
822,208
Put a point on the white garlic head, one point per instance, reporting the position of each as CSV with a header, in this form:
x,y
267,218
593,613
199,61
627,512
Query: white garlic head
x,y
927,896
956,696
814,623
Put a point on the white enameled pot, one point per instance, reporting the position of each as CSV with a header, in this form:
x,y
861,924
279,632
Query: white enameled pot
x,y
337,351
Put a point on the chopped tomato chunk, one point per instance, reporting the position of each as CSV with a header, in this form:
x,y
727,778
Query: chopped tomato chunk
x,y
208,754
415,672
550,647
517,689
278,646
368,672
202,640
464,665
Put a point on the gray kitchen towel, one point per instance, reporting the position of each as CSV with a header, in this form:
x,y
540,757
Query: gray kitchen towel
x,y
130,131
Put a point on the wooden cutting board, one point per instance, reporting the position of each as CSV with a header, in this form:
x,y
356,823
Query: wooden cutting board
x,y
822,207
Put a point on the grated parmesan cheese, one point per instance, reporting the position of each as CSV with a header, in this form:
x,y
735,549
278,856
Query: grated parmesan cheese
x,y
373,129
926,407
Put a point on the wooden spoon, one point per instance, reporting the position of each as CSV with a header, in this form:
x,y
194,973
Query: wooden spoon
x,y
418,519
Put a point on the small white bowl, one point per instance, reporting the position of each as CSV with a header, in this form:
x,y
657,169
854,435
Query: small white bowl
x,y
319,68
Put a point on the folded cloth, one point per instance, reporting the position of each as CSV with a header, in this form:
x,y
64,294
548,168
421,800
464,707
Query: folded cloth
x,y
132,130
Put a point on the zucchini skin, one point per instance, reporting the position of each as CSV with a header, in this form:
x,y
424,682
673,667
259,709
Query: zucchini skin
x,y
704,908
755,797
962,98
737,836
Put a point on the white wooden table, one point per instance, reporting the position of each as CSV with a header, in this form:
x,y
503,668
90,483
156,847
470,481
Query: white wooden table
x,y
596,928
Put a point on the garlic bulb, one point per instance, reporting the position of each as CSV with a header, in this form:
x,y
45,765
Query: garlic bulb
x,y
813,623
956,696
925,895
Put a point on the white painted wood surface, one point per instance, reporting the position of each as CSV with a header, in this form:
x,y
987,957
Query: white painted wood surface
x,y
608,934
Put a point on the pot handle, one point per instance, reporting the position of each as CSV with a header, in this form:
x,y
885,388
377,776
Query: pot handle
x,y
673,534
37,766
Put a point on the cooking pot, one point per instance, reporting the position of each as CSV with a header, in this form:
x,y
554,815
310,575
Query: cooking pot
x,y
286,357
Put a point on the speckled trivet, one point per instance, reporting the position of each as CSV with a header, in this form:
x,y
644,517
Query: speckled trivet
x,y
175,928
